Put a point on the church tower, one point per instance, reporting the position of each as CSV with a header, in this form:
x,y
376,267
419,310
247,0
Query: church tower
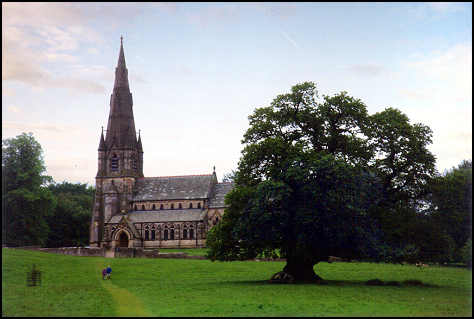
x,y
120,160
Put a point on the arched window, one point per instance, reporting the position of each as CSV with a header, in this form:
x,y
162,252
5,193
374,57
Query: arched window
x,y
143,207
134,207
153,207
165,235
114,163
161,206
190,205
180,206
147,233
185,233
199,205
172,206
152,234
191,233
172,234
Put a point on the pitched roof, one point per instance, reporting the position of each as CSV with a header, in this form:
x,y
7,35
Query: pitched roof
x,y
220,191
172,187
168,215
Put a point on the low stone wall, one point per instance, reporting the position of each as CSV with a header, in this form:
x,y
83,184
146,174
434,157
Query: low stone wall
x,y
74,251
118,252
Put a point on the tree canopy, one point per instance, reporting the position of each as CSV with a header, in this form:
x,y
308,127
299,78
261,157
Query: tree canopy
x,y
315,177
25,200
70,220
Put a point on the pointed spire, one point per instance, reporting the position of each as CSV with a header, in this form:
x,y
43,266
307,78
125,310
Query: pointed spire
x,y
121,72
102,141
121,124
140,148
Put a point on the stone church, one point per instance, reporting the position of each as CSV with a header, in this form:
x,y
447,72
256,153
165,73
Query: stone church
x,y
131,210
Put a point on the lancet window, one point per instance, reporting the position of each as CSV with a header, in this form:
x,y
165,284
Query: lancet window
x,y
114,163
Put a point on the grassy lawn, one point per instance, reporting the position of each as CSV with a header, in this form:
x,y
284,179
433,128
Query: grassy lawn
x,y
189,251
72,286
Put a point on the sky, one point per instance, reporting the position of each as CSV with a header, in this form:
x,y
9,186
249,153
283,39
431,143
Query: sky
x,y
198,70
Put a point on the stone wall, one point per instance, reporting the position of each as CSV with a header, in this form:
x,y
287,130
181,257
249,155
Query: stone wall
x,y
74,251
119,252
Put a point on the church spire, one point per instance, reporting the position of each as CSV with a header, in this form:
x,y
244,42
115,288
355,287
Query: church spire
x,y
121,132
121,72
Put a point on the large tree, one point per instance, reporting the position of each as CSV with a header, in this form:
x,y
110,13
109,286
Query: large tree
x,y
26,200
314,177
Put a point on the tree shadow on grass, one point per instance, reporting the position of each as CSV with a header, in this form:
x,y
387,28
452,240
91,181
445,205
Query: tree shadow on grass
x,y
337,283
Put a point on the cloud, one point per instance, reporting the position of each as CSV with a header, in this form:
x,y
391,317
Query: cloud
x,y
24,127
444,7
438,91
93,51
14,109
7,91
40,37
451,70
369,70
214,14
281,10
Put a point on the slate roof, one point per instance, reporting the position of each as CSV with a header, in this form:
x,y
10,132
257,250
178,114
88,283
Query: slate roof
x,y
172,187
167,215
221,189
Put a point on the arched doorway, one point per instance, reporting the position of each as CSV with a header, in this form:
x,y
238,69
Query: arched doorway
x,y
123,240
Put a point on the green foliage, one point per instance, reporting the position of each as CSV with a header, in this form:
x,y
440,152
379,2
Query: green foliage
x,y
70,221
72,286
320,178
401,156
466,253
26,202
451,205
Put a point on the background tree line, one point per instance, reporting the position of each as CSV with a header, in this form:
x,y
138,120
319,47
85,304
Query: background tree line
x,y
35,209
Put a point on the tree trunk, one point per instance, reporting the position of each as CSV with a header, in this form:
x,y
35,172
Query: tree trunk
x,y
301,269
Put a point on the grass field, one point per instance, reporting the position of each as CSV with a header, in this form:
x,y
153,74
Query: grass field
x,y
189,251
72,286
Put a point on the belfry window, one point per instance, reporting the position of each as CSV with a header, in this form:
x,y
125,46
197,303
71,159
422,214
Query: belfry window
x,y
147,235
180,206
172,206
134,162
172,234
161,207
165,234
199,205
134,207
191,233
190,205
143,207
114,163
154,207
152,234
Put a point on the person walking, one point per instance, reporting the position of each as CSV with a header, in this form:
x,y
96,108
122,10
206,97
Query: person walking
x,y
109,271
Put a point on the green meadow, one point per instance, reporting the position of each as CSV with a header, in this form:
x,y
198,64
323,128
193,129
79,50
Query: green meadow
x,y
73,286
